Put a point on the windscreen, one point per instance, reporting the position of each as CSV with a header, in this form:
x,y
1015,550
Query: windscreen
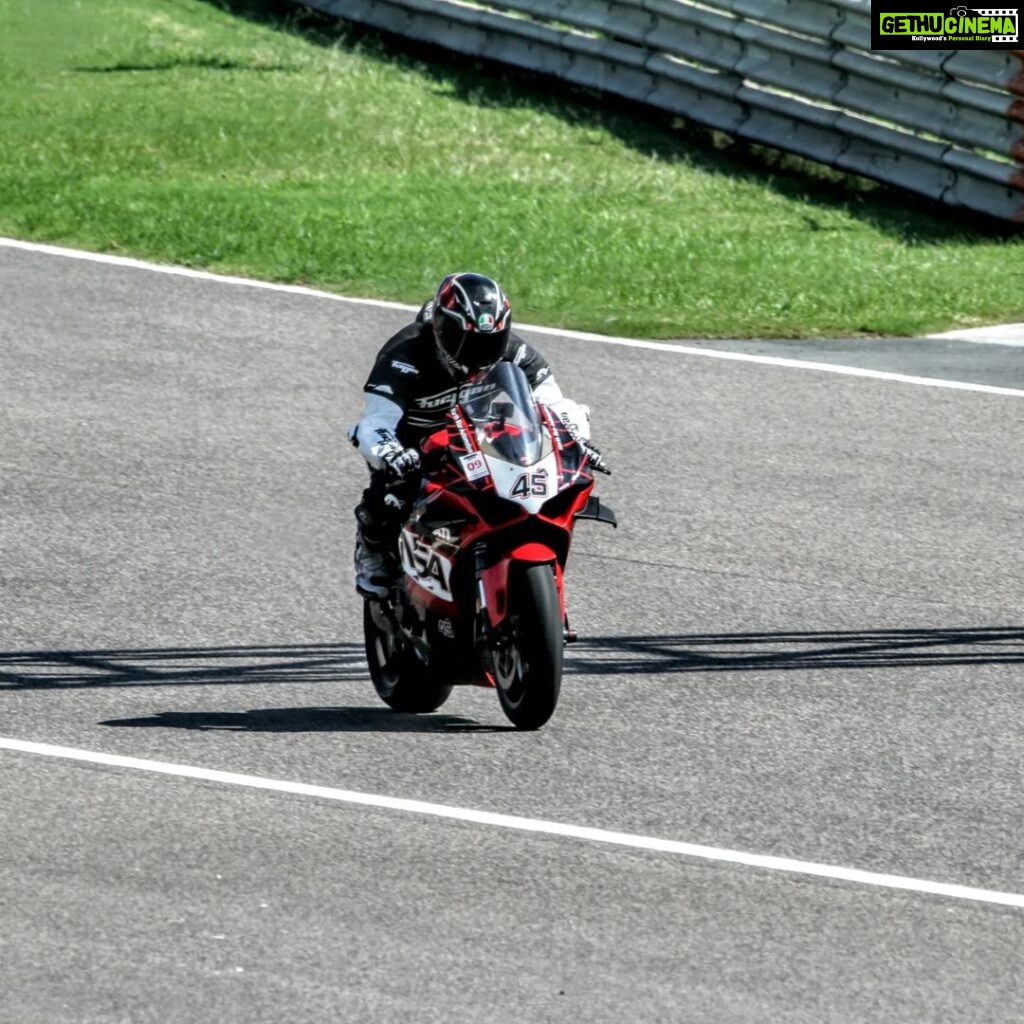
x,y
500,408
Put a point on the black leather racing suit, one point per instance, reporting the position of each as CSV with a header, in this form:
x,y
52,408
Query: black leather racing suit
x,y
408,394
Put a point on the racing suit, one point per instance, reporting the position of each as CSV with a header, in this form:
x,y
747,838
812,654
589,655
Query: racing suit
x,y
407,397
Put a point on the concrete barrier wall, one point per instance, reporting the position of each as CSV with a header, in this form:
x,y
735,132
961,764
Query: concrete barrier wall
x,y
798,75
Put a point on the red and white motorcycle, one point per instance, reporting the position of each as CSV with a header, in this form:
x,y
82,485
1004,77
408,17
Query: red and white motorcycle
x,y
481,598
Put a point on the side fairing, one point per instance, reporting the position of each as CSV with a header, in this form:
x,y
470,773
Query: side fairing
x,y
428,564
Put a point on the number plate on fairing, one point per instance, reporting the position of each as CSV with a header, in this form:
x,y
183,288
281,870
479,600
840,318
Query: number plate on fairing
x,y
474,465
528,487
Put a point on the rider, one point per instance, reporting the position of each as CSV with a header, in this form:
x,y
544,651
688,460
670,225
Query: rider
x,y
462,330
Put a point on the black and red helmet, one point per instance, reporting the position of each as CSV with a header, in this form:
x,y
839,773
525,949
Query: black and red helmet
x,y
472,319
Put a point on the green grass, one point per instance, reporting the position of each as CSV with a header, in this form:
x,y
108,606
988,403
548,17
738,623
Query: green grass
x,y
237,137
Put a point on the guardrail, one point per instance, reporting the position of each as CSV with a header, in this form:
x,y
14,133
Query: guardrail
x,y
797,75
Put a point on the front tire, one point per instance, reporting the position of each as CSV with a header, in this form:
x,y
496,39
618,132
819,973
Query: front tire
x,y
401,680
528,672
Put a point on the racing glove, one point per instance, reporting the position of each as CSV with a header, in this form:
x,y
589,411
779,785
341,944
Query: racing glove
x,y
576,419
597,461
396,460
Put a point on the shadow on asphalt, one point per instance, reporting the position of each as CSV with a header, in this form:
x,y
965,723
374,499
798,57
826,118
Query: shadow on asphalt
x,y
746,652
184,666
592,656
339,719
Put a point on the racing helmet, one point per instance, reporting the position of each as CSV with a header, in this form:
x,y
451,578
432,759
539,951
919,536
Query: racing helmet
x,y
472,319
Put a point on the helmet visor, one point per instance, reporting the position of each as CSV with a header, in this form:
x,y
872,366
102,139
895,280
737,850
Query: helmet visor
x,y
480,350
471,349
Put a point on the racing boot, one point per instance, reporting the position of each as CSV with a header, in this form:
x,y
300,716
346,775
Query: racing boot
x,y
373,574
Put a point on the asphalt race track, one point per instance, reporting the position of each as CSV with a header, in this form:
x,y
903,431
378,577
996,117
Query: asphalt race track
x,y
806,642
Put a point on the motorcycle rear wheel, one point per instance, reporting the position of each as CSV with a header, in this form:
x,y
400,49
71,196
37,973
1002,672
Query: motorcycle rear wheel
x,y
528,672
401,680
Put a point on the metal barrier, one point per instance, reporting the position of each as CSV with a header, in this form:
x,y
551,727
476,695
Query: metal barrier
x,y
797,75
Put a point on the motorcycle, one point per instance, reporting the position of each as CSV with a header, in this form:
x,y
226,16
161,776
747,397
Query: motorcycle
x,y
480,599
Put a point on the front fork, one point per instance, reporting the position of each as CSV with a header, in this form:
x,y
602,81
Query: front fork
x,y
492,592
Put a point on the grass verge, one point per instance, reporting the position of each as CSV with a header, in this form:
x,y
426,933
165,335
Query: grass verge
x,y
242,137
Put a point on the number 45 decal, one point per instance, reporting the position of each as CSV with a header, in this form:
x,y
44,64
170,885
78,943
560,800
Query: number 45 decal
x,y
530,483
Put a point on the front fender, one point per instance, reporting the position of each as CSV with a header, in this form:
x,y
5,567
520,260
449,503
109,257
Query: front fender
x,y
493,581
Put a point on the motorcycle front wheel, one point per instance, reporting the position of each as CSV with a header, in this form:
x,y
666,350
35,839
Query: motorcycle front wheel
x,y
528,670
401,680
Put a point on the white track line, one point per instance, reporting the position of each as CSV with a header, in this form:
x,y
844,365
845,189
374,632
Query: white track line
x,y
793,364
199,275
535,825
654,346
1006,334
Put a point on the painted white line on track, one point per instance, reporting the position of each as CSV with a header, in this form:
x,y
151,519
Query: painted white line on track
x,y
602,339
1005,334
534,825
199,275
793,364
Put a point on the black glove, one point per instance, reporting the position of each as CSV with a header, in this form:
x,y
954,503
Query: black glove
x,y
594,457
398,462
